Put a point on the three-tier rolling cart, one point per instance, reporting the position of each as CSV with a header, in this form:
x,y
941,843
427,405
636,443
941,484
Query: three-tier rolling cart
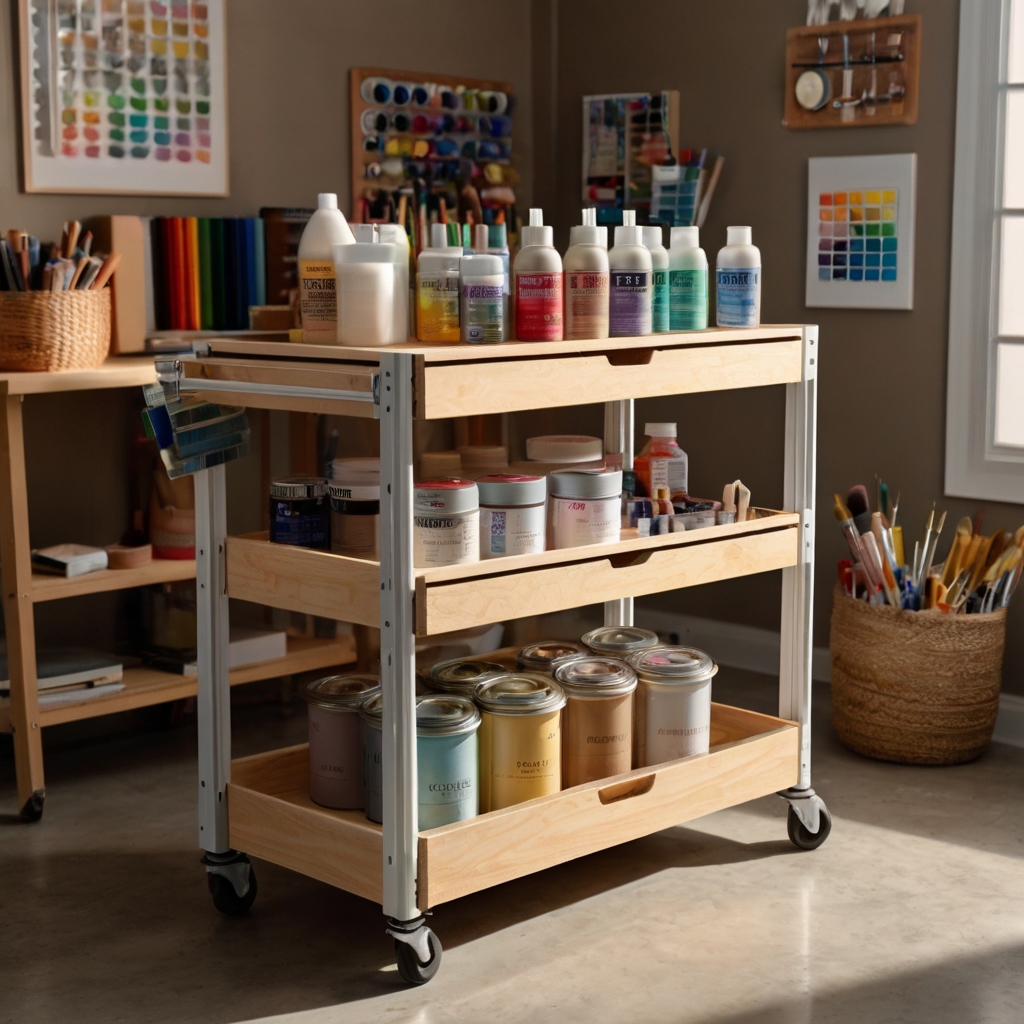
x,y
260,805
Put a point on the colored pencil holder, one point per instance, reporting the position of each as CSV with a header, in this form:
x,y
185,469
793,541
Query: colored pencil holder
x,y
915,687
45,331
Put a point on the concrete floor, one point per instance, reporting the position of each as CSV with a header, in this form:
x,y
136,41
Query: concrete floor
x,y
913,911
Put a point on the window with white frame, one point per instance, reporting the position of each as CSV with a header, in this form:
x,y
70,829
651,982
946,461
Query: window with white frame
x,y
985,398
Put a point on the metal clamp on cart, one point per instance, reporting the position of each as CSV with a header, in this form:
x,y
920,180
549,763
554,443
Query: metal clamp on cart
x,y
261,805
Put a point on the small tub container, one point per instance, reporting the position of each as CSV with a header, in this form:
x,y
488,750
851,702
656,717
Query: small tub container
x,y
597,720
461,676
585,507
619,641
446,523
520,739
300,513
512,514
447,759
355,518
336,739
673,704
541,655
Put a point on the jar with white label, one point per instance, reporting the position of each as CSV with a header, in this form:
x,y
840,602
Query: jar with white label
x,y
446,523
584,507
512,513
355,518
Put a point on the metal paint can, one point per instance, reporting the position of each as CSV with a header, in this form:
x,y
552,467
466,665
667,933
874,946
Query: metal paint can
x,y
520,739
336,738
541,655
460,676
372,714
446,759
619,641
672,711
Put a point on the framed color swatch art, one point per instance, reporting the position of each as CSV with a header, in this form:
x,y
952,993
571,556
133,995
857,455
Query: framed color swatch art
x,y
860,231
124,96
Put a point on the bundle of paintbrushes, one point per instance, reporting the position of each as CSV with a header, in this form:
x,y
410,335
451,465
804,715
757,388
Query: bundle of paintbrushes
x,y
979,573
27,266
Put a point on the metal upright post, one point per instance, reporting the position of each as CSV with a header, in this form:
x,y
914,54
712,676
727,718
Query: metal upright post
x,y
398,659
798,580
618,438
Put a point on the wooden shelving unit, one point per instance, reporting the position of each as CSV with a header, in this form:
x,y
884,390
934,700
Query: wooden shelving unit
x,y
261,805
20,713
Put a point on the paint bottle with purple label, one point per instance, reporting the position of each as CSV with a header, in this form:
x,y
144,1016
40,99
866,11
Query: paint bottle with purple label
x,y
630,272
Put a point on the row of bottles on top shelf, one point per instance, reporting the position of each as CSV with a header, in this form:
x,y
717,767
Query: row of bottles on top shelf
x,y
356,282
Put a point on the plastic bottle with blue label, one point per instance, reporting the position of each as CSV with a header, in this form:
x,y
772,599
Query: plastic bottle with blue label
x,y
738,271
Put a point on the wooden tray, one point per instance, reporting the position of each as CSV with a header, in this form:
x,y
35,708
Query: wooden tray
x,y
272,816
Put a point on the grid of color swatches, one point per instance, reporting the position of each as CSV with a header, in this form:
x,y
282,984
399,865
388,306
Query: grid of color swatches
x,y
857,235
133,79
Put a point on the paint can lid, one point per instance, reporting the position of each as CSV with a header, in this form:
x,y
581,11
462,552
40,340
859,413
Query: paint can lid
x,y
445,715
620,640
341,693
585,483
353,490
567,448
669,664
686,237
593,676
541,655
512,489
520,693
298,487
445,496
461,676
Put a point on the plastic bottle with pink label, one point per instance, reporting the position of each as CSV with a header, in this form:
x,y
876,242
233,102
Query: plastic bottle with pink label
x,y
538,283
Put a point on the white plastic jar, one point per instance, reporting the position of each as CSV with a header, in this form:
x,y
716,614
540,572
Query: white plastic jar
x,y
584,507
512,514
446,523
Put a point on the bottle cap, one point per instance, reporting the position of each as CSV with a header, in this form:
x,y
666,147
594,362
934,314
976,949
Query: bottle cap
x,y
438,236
660,429
341,693
327,201
536,233
480,264
653,237
498,237
445,497
627,233
361,252
662,493
520,693
738,236
588,233
481,238
395,234
365,232
686,238
585,483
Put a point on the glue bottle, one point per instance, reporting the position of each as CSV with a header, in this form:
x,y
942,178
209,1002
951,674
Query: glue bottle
x,y
537,275
652,237
687,281
631,269
586,280
738,269
318,297
437,289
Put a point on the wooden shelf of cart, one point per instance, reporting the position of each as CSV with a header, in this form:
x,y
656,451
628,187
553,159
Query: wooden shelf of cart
x,y
271,815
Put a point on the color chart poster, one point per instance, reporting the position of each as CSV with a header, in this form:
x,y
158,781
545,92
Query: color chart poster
x,y
860,231
124,96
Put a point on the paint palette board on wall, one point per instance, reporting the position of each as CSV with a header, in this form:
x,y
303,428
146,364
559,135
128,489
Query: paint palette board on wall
x,y
124,96
860,231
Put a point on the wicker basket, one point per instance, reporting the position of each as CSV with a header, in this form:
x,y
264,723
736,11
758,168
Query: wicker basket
x,y
54,330
915,687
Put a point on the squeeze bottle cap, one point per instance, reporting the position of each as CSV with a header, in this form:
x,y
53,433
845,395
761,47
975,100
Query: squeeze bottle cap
x,y
481,237
738,236
627,233
659,429
393,233
653,236
482,265
438,236
327,201
686,238
498,237
588,233
536,233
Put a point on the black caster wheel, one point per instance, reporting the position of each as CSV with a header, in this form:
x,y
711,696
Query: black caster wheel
x,y
409,966
33,809
801,837
225,899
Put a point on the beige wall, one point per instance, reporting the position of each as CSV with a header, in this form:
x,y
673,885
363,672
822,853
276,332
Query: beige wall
x,y
883,374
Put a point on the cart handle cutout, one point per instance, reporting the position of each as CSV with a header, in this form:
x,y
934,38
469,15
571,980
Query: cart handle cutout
x,y
624,790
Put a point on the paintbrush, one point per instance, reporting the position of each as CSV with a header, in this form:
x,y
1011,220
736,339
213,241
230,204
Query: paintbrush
x,y
931,540
879,568
883,537
961,539
849,527
860,507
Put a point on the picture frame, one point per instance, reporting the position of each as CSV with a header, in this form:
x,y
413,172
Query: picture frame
x,y
124,98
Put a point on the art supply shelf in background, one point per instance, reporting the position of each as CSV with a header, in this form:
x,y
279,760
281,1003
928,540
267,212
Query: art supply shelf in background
x,y
261,805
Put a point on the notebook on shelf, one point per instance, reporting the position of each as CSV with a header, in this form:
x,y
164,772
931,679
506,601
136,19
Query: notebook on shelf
x,y
69,560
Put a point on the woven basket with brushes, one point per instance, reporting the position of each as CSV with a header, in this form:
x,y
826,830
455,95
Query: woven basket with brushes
x,y
67,330
915,687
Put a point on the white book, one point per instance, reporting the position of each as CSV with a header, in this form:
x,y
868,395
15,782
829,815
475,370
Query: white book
x,y
49,700
249,647
69,559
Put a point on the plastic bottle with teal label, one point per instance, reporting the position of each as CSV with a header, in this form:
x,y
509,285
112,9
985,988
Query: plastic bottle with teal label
x,y
652,237
738,270
688,281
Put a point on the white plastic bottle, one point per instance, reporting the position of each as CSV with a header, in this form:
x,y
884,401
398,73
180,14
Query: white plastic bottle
x,y
653,240
537,279
366,293
687,281
317,285
738,269
586,280
497,245
437,289
396,235
631,269
482,307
